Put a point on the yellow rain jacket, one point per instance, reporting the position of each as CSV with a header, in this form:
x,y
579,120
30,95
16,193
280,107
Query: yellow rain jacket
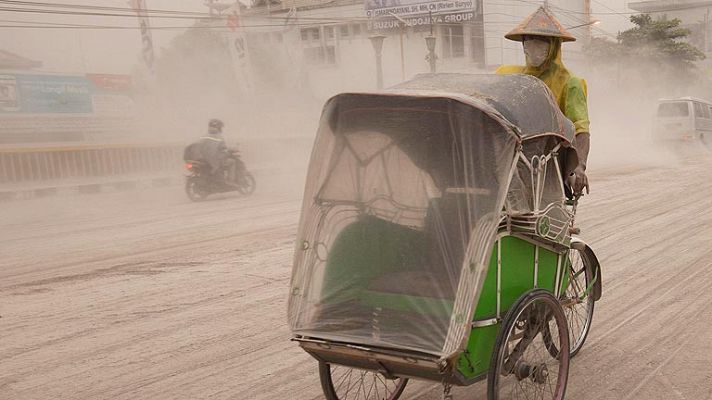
x,y
570,91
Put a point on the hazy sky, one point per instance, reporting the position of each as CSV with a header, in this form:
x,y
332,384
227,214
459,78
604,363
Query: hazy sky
x,y
609,22
77,50
116,51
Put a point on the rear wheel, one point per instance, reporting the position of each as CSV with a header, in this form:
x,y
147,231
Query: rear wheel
x,y
522,365
344,383
247,184
194,191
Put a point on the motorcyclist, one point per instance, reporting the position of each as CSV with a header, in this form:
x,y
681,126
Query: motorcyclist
x,y
541,36
212,150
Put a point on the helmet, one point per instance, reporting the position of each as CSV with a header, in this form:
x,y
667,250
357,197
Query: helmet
x,y
216,123
540,23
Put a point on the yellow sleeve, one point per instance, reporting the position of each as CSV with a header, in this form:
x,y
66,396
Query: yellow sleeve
x,y
509,69
576,105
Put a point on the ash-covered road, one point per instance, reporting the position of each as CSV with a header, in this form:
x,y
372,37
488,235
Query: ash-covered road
x,y
143,295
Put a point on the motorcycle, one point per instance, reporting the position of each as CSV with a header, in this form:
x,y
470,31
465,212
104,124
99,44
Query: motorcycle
x,y
201,182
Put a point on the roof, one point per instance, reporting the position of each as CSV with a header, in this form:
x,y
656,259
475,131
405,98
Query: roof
x,y
686,98
667,5
13,61
523,101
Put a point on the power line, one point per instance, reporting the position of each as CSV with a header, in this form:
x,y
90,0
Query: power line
x,y
572,15
101,8
609,8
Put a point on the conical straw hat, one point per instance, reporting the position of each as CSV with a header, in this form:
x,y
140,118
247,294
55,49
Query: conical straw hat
x,y
540,23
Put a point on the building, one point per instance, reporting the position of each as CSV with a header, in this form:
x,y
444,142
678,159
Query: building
x,y
327,46
696,15
10,60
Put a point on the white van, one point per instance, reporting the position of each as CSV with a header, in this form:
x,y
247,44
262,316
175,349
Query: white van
x,y
684,119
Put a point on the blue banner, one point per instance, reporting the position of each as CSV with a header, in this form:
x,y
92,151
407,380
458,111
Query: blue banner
x,y
45,94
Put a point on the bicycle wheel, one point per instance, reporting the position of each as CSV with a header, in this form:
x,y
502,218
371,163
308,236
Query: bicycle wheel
x,y
344,383
577,300
522,366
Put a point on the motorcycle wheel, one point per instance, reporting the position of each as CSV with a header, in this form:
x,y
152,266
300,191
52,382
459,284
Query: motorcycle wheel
x,y
193,190
247,184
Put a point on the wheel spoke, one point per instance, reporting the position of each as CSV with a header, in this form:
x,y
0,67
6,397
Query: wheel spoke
x,y
538,369
356,384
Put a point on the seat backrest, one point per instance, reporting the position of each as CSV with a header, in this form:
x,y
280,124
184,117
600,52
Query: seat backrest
x,y
368,249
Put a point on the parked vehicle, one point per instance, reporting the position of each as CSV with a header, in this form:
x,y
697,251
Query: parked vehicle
x,y
685,119
437,241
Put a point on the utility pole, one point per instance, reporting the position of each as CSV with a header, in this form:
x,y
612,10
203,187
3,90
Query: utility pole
x,y
402,51
430,44
589,28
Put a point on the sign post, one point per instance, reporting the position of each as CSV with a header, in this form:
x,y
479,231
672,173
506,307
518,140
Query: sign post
x,y
377,42
431,57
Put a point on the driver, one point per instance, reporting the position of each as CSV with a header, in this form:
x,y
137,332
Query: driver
x,y
541,36
214,151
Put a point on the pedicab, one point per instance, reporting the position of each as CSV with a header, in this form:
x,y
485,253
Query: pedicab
x,y
437,241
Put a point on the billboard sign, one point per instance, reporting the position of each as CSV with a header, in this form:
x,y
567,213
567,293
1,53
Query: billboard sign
x,y
41,94
388,14
65,94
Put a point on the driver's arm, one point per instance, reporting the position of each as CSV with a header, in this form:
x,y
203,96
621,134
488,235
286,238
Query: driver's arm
x,y
576,109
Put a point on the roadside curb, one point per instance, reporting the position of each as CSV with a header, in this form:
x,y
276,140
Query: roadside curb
x,y
105,185
87,187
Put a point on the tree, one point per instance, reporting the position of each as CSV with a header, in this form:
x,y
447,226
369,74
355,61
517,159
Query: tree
x,y
661,41
653,56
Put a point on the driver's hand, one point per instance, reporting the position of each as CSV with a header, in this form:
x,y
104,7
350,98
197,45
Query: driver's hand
x,y
580,181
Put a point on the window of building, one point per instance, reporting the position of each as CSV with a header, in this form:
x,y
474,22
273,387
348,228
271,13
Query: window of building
x,y
309,34
477,43
321,55
453,41
344,31
329,32
320,46
356,29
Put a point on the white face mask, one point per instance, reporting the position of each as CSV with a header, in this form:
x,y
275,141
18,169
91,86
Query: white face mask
x,y
536,51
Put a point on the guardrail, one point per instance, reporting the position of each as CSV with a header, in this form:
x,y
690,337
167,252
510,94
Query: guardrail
x,y
18,165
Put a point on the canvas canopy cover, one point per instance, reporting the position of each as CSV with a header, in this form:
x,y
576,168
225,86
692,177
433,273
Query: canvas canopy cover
x,y
404,194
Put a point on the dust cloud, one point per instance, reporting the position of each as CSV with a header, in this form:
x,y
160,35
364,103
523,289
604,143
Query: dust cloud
x,y
271,106
623,102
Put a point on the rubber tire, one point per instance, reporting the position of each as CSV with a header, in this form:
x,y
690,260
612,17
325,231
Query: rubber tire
x,y
509,320
588,264
327,386
250,188
192,192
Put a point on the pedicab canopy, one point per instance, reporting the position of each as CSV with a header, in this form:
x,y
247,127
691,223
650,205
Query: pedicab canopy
x,y
404,194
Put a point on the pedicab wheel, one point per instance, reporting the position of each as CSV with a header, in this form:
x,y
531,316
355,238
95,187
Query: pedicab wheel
x,y
344,383
247,184
522,366
577,300
192,189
